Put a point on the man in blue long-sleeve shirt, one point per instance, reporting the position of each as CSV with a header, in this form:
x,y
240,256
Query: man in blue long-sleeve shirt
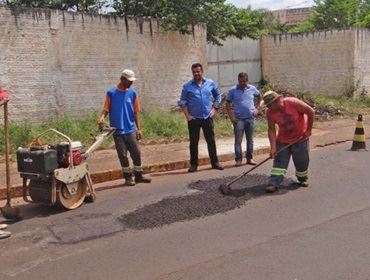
x,y
200,99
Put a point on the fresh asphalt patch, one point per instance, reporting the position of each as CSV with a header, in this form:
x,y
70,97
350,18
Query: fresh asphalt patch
x,y
206,201
202,199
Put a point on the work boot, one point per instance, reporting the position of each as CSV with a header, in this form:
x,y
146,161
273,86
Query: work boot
x,y
128,179
299,183
251,162
217,166
193,168
238,163
271,188
4,234
3,226
139,178
303,184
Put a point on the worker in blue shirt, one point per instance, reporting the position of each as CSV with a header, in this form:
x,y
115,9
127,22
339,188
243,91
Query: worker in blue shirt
x,y
122,105
200,99
245,100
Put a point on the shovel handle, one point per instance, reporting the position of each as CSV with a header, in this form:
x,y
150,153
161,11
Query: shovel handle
x,y
262,162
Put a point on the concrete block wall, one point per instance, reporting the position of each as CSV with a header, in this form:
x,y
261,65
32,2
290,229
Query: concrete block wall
x,y
55,62
362,58
318,62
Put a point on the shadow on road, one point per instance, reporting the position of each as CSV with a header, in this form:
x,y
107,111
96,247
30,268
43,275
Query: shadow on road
x,y
260,190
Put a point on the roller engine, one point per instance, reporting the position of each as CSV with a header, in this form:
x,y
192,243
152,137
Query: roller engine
x,y
57,174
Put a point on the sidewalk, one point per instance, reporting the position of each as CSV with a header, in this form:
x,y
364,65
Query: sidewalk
x,y
104,165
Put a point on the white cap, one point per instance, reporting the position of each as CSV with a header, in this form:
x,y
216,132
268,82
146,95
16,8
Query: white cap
x,y
129,75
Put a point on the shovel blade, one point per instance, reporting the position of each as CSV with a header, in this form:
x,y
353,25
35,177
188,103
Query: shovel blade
x,y
225,189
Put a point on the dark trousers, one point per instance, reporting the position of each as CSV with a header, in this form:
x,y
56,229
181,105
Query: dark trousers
x,y
194,127
127,143
301,159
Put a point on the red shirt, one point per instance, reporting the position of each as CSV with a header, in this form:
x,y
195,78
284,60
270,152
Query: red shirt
x,y
292,124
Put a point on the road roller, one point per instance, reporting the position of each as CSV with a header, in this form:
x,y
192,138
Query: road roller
x,y
58,174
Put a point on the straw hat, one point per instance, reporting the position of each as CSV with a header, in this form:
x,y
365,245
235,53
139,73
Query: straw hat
x,y
269,97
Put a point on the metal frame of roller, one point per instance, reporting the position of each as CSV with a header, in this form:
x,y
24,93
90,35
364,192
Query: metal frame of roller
x,y
66,187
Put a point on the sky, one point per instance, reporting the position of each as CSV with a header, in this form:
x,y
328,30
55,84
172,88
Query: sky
x,y
271,4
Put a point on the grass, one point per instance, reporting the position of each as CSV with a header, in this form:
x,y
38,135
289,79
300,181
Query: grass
x,y
172,126
156,126
163,126
338,105
78,129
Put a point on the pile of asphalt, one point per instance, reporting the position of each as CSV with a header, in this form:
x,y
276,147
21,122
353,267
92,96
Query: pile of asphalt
x,y
207,201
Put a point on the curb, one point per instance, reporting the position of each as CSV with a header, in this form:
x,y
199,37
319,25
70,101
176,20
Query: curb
x,y
116,174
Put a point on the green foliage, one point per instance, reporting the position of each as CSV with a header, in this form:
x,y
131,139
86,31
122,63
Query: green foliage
x,y
165,126
363,102
272,26
326,14
365,22
224,128
78,129
157,125
148,8
261,126
338,105
265,86
75,5
19,135
336,14
305,26
222,19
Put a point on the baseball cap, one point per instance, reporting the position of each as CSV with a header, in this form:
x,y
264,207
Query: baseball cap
x,y
129,75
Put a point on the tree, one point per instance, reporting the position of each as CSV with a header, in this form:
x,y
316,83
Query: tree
x,y
76,5
305,26
273,26
338,14
222,20
365,22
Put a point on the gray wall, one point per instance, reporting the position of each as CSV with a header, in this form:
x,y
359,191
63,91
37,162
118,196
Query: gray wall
x,y
362,58
235,56
54,62
335,62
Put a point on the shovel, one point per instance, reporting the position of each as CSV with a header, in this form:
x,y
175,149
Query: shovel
x,y
225,188
9,212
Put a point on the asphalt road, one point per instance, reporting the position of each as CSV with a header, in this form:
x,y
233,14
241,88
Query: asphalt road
x,y
170,230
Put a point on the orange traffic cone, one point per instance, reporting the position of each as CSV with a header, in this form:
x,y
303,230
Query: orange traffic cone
x,y
359,140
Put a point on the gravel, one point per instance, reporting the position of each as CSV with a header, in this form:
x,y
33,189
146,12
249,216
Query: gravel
x,y
207,201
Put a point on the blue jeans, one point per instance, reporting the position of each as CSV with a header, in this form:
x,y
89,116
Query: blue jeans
x,y
247,126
